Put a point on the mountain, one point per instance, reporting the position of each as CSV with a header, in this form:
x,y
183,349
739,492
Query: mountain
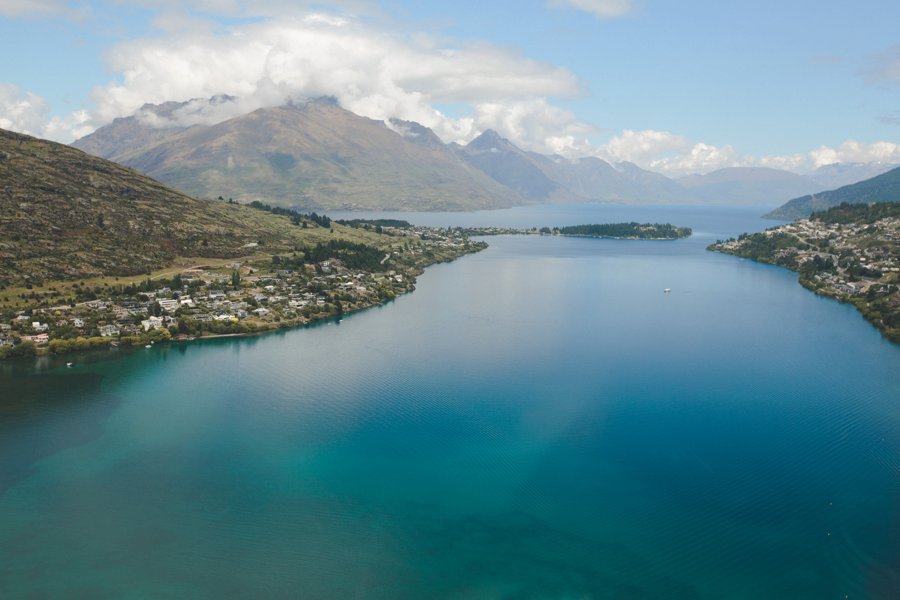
x,y
544,178
320,156
747,185
65,214
514,168
837,175
310,155
316,155
883,188
118,137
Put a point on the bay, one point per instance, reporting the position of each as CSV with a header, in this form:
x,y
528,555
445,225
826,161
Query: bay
x,y
538,420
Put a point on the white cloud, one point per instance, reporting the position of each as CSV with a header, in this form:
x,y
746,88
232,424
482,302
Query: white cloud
x,y
534,125
21,111
28,8
643,147
702,158
854,151
675,156
27,112
374,73
74,126
603,9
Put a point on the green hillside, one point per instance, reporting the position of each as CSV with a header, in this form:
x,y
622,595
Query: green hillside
x,y
883,188
65,214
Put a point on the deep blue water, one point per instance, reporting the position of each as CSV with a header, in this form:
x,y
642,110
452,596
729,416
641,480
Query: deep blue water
x,y
538,420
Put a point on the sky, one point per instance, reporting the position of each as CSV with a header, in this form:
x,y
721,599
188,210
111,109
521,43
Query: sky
x,y
677,87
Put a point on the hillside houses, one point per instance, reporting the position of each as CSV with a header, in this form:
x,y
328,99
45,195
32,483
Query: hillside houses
x,y
201,302
857,262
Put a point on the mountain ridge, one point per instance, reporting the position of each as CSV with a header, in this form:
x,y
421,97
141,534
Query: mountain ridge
x,y
881,188
316,155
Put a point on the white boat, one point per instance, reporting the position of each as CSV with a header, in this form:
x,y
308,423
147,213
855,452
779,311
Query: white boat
x,y
148,346
68,364
667,290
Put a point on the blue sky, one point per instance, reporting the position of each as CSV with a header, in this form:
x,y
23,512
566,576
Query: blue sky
x,y
679,87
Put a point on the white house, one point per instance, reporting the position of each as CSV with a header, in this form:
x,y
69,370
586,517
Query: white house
x,y
109,331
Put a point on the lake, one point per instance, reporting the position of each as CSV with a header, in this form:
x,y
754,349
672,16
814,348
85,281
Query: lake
x,y
538,420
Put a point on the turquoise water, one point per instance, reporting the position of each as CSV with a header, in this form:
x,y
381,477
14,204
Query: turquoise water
x,y
538,420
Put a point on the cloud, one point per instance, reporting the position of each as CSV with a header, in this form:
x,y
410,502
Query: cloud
x,y
702,158
74,126
642,147
30,8
853,151
884,68
21,111
603,9
534,125
675,156
372,72
27,113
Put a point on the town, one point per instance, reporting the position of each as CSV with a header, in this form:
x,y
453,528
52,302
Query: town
x,y
239,297
851,253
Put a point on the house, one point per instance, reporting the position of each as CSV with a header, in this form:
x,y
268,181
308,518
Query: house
x,y
78,322
109,331
152,323
41,338
169,304
38,326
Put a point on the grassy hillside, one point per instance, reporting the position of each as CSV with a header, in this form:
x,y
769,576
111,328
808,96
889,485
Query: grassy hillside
x,y
65,214
883,188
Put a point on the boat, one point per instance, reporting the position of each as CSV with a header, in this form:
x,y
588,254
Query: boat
x,y
667,290
148,346
68,364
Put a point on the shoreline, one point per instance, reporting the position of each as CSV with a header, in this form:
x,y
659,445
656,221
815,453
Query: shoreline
x,y
59,347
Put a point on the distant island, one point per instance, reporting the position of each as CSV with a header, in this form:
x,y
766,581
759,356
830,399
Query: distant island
x,y
619,231
850,252
638,231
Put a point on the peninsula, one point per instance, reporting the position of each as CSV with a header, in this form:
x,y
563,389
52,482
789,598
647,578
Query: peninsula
x,y
850,252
